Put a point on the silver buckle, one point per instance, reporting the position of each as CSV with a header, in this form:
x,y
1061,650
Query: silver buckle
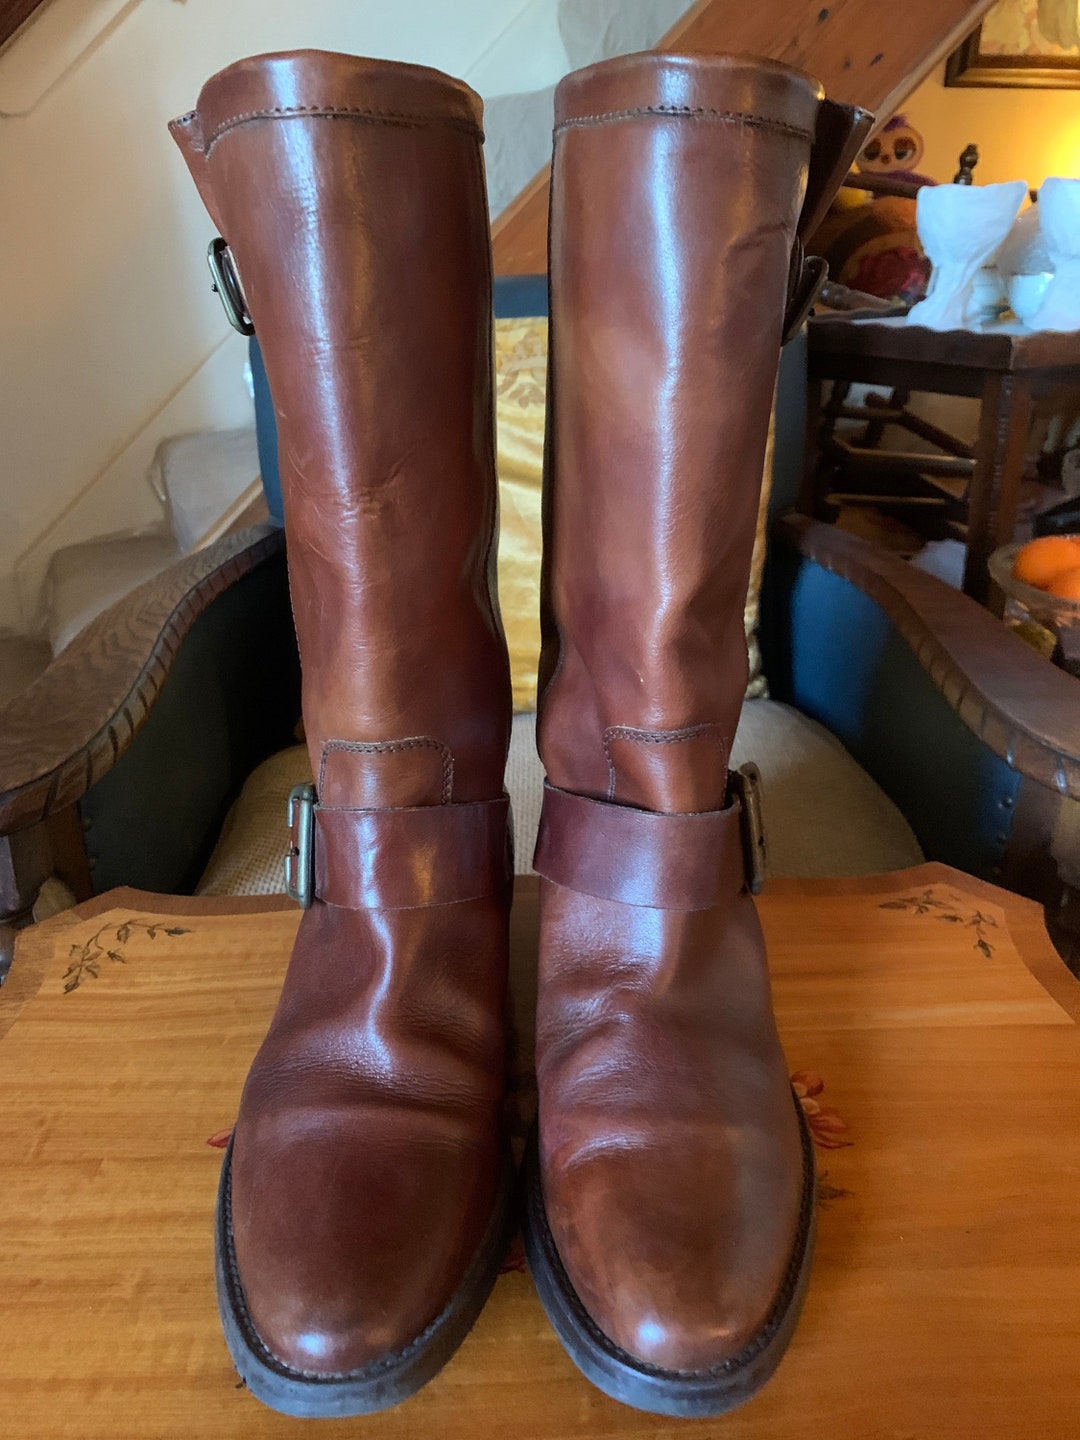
x,y
300,861
746,785
813,272
227,286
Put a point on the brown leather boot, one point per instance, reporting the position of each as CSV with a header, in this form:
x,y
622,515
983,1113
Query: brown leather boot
x,y
363,1205
671,1211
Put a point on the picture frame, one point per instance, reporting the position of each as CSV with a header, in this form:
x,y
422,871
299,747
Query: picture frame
x,y
1011,48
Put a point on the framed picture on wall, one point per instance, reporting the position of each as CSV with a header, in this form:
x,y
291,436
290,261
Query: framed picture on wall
x,y
1021,43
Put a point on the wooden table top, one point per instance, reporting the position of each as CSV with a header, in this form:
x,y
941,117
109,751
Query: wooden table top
x,y
925,1014
995,349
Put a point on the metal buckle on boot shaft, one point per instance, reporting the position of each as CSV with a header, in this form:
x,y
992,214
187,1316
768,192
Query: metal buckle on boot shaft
x,y
300,861
808,276
746,787
227,286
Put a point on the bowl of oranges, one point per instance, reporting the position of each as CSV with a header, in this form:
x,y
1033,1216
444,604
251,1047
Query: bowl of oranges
x,y
1043,578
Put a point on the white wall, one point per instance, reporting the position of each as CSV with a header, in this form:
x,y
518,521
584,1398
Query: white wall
x,y
1021,134
110,338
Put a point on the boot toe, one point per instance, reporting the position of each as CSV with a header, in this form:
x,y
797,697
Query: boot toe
x,y
338,1277
677,1275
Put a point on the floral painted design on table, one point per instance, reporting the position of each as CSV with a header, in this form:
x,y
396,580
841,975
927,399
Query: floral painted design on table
x,y
827,1126
947,906
84,962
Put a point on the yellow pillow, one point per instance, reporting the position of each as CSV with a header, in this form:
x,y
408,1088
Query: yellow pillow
x,y
520,388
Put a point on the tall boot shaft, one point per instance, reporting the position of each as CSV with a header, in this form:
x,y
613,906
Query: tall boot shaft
x,y
677,187
670,1195
351,195
366,1192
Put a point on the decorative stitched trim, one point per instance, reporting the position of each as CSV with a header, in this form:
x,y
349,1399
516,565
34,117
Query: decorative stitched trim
x,y
388,747
691,112
341,112
656,737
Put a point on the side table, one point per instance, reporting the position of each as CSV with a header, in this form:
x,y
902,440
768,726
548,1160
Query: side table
x,y
1007,373
933,1035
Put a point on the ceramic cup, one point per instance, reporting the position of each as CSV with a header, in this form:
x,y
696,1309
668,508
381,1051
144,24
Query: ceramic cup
x,y
1059,219
961,227
1026,293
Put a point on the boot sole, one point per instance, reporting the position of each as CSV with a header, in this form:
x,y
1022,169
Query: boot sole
x,y
688,1394
387,1381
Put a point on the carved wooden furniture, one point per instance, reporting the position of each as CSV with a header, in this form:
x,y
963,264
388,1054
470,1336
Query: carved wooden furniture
x,y
933,1037
120,762
217,626
1007,374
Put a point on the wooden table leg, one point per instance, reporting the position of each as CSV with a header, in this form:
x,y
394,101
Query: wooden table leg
x,y
25,865
807,501
995,484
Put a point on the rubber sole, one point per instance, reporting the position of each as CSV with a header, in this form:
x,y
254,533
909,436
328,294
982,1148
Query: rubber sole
x,y
389,1380
687,1394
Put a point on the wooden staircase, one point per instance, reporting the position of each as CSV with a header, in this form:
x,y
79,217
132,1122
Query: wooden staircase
x,y
862,51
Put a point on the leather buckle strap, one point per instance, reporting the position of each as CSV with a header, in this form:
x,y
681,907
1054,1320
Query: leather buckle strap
x,y
396,859
839,135
641,857
806,282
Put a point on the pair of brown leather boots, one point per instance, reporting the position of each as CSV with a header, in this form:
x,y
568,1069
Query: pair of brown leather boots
x,y
366,1198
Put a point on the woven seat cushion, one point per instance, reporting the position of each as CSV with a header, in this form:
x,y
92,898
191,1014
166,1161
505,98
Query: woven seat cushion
x,y
823,814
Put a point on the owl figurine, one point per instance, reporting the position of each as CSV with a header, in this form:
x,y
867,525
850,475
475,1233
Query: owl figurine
x,y
895,151
870,240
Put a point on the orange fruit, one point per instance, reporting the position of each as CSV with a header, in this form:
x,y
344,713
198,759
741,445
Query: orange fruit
x,y
1066,585
1040,561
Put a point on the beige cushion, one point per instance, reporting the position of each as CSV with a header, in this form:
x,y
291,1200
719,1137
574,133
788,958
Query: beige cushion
x,y
823,814
249,857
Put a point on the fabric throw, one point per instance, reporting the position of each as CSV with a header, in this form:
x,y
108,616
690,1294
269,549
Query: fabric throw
x,y
520,391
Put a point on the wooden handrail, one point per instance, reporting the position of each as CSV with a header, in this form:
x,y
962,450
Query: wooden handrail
x,y
14,13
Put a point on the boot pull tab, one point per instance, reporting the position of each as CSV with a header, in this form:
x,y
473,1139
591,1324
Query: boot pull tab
x,y
187,131
839,136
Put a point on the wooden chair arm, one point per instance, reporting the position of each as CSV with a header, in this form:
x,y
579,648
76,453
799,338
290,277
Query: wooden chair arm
x,y
1026,711
66,730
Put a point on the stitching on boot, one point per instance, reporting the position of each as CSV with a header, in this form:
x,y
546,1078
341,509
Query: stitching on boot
x,y
388,747
692,112
341,112
655,737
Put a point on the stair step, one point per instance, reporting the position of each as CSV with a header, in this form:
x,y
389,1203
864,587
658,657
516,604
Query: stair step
x,y
204,479
83,580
